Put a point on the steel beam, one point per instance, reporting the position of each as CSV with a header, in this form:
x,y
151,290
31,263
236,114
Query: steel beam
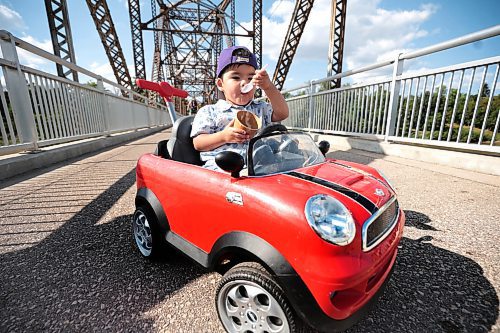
x,y
233,21
104,24
192,15
336,47
200,32
156,73
134,9
169,51
192,34
60,33
257,29
295,30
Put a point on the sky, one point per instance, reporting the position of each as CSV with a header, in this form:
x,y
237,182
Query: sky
x,y
376,30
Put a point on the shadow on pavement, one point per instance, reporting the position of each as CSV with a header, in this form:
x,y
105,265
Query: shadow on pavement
x,y
349,155
86,277
418,220
42,170
433,290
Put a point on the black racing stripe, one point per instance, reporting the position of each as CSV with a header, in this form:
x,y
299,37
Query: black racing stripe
x,y
344,165
363,201
366,174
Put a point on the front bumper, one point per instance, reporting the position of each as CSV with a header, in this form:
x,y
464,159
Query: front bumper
x,y
308,309
331,307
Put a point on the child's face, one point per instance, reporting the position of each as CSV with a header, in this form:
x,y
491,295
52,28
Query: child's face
x,y
231,82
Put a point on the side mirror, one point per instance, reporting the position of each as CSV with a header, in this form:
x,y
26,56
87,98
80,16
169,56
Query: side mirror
x,y
324,146
230,161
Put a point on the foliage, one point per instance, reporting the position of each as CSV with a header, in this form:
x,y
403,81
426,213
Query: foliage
x,y
92,84
361,110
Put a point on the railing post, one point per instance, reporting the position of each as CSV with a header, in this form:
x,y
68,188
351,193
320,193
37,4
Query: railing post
x,y
390,128
312,91
171,112
105,106
18,94
150,111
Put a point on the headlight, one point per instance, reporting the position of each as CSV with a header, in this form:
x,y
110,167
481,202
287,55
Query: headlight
x,y
330,219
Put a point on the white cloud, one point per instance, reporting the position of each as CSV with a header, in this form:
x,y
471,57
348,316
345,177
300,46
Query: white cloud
x,y
103,70
274,28
31,60
11,20
282,10
373,33
45,45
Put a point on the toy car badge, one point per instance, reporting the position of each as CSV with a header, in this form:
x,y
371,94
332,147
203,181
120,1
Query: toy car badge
x,y
233,197
379,192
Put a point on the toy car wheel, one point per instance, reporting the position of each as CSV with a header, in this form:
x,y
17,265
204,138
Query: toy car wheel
x,y
250,300
147,234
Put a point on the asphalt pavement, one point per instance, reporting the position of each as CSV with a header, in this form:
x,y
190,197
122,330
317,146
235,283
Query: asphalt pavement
x,y
67,263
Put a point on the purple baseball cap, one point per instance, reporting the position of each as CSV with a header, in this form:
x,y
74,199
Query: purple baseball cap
x,y
235,55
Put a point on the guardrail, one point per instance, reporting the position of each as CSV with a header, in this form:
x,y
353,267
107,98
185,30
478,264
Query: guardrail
x,y
39,109
446,107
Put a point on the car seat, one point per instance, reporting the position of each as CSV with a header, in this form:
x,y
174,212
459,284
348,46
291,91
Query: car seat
x,y
180,147
161,149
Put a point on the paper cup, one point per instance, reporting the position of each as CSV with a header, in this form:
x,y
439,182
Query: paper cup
x,y
248,122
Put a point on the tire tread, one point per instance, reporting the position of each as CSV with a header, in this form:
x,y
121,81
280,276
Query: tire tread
x,y
255,272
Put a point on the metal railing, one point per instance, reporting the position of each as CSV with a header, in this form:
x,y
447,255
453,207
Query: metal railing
x,y
454,106
39,109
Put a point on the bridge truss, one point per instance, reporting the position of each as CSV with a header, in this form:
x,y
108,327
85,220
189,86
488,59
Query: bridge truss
x,y
188,36
60,33
296,28
337,31
105,27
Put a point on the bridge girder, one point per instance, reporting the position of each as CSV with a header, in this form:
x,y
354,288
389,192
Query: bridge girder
x,y
157,72
134,10
60,34
101,15
336,46
295,29
257,28
182,48
192,34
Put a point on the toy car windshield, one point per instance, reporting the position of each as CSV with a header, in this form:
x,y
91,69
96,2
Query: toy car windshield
x,y
282,152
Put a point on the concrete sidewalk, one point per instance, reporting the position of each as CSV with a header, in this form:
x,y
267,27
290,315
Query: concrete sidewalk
x,y
476,162
16,164
68,263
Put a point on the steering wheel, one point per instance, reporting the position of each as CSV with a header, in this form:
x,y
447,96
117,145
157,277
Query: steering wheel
x,y
271,128
263,155
308,160
289,145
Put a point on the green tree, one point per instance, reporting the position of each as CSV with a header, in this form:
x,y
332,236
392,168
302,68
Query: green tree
x,y
485,92
92,84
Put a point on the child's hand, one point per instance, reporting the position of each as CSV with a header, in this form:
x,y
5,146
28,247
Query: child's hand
x,y
261,79
232,134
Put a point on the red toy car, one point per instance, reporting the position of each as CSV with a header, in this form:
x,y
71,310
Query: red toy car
x,y
300,239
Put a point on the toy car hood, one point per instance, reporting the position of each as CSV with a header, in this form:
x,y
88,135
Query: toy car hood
x,y
350,185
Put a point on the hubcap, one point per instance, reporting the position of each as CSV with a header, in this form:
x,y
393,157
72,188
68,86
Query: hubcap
x,y
246,307
142,233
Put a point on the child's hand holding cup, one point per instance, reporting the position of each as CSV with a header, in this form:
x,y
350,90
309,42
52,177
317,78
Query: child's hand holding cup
x,y
248,122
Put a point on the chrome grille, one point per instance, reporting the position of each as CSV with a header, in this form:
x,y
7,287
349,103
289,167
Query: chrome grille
x,y
377,227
